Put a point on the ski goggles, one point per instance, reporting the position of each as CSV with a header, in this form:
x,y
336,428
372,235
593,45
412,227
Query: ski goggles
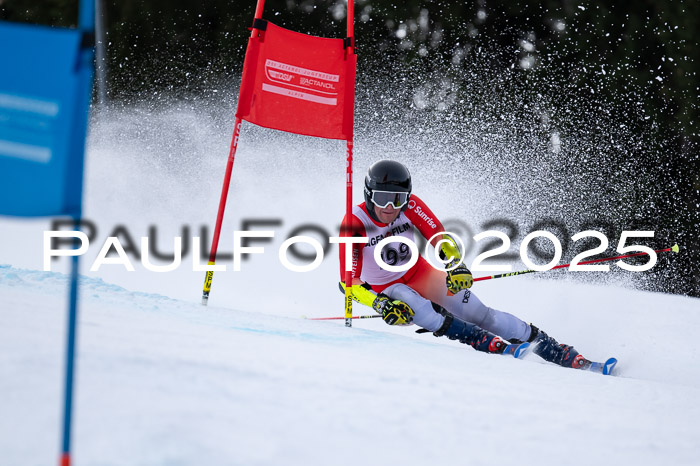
x,y
382,199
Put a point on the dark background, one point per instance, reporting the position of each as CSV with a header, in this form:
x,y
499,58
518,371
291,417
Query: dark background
x,y
619,76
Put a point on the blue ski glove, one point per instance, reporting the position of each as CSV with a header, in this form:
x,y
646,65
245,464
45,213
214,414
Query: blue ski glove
x,y
393,312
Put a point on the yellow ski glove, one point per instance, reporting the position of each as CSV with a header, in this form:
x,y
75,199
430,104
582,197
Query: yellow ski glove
x,y
393,312
460,278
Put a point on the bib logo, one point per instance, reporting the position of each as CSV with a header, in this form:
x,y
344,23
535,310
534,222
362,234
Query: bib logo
x,y
411,204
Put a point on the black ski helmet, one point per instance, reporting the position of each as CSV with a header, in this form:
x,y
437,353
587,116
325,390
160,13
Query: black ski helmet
x,y
386,175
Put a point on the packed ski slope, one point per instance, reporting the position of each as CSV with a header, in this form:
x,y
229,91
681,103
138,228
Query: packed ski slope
x,y
163,381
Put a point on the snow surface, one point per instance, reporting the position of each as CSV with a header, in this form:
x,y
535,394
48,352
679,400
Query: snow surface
x,y
247,381
163,381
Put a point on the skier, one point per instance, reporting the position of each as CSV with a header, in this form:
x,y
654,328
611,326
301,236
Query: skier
x,y
438,301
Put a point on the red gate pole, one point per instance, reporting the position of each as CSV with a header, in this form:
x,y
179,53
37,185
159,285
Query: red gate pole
x,y
220,215
348,213
227,180
350,49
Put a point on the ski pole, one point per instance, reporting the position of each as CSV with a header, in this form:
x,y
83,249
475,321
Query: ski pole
x,y
339,318
673,248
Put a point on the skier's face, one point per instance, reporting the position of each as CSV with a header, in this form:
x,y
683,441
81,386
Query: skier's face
x,y
386,214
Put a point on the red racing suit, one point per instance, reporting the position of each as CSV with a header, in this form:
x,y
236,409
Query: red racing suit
x,y
422,285
422,277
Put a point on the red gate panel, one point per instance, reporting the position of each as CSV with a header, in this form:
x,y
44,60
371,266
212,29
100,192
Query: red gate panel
x,y
298,83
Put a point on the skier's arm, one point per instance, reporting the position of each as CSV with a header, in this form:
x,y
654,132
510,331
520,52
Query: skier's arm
x,y
393,312
423,218
459,278
361,292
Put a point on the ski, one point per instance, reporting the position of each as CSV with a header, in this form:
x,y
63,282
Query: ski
x,y
517,351
605,368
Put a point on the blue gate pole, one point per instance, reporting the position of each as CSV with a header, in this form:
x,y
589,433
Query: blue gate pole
x,y
70,356
86,23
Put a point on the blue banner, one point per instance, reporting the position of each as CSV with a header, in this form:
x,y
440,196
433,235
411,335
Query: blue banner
x,y
45,90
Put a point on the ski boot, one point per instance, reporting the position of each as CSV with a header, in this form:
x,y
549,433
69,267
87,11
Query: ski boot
x,y
470,334
550,350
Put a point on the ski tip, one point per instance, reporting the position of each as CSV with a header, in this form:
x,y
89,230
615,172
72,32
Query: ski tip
x,y
609,366
675,248
521,350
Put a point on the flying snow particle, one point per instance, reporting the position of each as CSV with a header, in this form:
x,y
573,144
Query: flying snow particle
x,y
527,46
401,31
555,142
420,99
527,62
338,11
